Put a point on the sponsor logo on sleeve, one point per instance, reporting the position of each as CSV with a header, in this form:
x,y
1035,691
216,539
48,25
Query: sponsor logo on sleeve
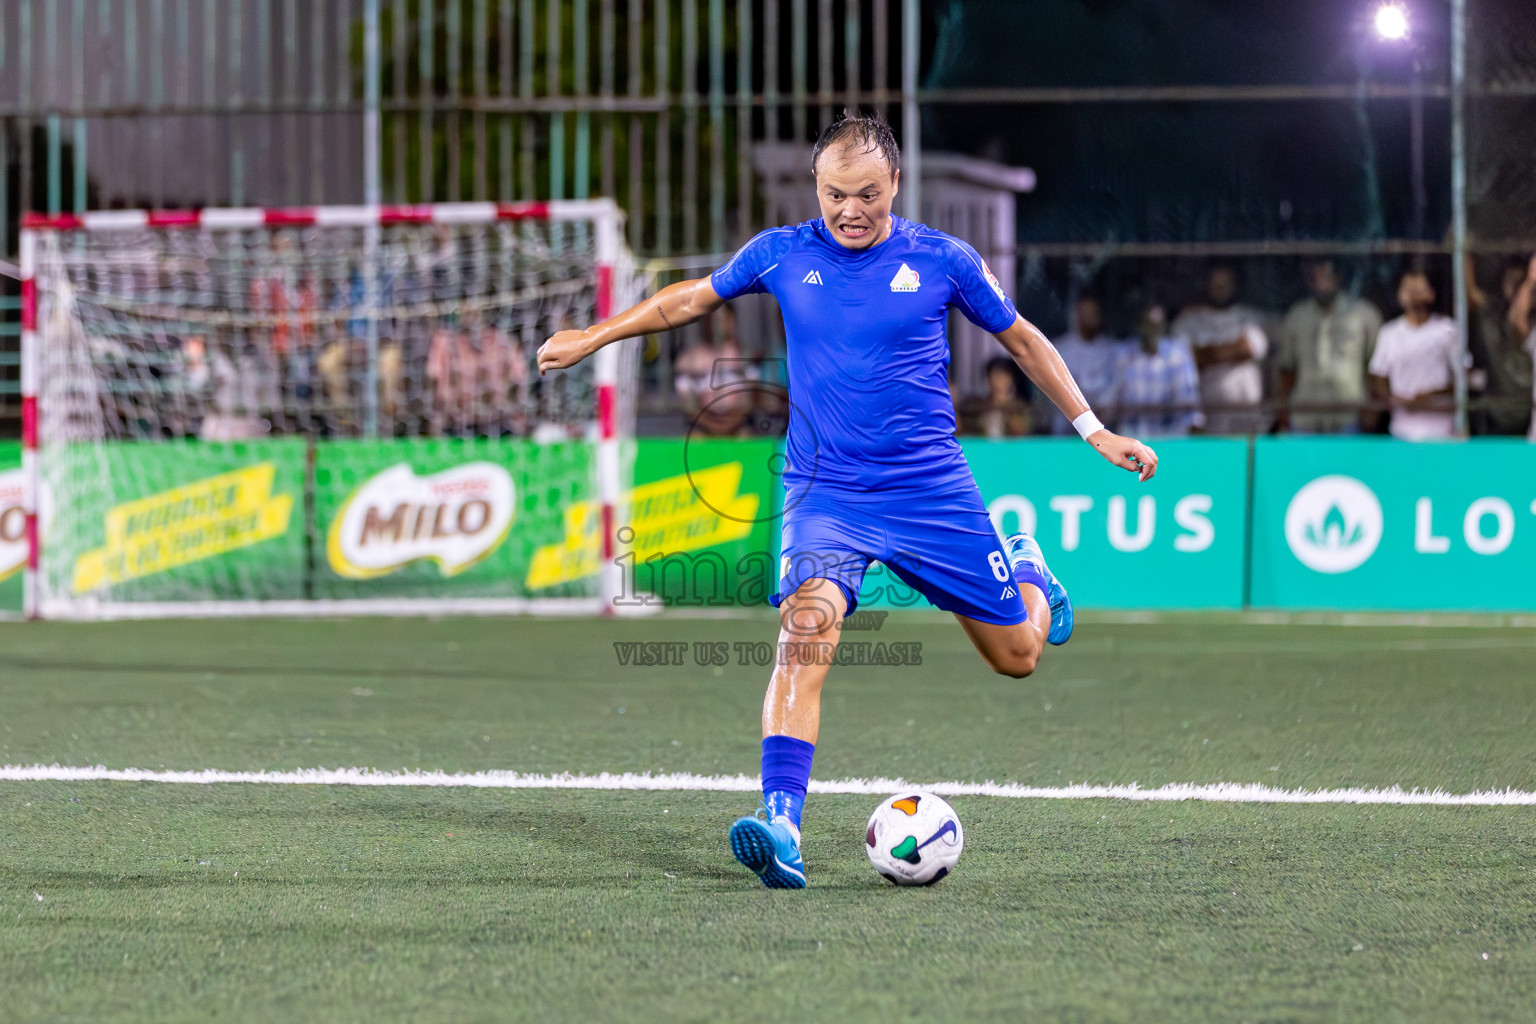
x,y
992,280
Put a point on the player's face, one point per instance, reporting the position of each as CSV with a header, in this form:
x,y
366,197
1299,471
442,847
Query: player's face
x,y
855,191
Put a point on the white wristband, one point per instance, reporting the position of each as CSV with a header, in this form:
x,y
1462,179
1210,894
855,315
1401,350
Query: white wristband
x,y
1087,424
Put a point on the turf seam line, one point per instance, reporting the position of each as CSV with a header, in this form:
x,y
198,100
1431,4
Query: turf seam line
x,y
1219,792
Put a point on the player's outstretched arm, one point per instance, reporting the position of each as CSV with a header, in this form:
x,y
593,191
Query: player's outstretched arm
x,y
672,307
1038,358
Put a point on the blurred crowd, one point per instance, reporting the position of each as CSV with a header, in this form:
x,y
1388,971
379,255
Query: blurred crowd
x,y
454,365
1328,365
454,354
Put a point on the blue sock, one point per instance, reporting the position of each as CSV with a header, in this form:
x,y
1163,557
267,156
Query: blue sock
x,y
1028,572
786,774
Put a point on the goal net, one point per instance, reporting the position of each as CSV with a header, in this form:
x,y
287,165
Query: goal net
x,y
280,411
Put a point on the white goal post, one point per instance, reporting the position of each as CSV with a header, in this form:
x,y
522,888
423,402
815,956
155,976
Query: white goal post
x,y
323,409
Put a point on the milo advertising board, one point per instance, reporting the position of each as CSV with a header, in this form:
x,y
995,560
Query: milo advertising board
x,y
512,518
13,537
177,521
703,520
453,518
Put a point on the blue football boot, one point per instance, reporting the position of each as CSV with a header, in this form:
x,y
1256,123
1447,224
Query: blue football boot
x,y
770,848
1021,547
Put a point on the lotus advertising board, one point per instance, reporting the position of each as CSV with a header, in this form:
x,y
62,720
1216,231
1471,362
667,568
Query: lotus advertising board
x,y
1177,541
1376,524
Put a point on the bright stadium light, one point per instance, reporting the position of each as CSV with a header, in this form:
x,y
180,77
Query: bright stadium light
x,y
1392,22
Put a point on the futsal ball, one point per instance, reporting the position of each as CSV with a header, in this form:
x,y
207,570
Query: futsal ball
x,y
914,838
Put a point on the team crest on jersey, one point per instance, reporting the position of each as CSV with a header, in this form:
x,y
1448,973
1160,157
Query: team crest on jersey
x,y
814,277
905,280
992,280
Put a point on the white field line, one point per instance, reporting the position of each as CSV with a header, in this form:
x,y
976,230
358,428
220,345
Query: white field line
x,y
1219,792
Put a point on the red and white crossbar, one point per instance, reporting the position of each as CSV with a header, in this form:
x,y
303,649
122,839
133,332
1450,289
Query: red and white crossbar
x,y
248,217
604,214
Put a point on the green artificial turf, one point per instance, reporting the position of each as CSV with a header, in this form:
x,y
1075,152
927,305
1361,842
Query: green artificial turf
x,y
243,902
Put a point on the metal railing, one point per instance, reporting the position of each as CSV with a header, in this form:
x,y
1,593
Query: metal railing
x,y
658,103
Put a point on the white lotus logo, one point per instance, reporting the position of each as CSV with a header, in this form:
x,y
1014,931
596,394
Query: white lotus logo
x,y
1333,524
456,517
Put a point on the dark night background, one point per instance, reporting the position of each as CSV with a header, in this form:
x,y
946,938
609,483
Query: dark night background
x,y
1236,170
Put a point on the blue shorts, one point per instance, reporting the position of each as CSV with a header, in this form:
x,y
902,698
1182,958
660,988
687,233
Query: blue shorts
x,y
943,548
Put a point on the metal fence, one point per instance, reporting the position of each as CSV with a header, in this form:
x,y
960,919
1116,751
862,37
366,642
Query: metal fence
x,y
658,103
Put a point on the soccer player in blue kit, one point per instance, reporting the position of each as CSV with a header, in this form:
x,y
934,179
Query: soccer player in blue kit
x,y
873,471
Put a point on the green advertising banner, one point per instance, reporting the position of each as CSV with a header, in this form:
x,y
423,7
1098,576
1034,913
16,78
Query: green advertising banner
x,y
1337,523
703,512
13,538
178,521
514,518
1175,542
1377,524
454,517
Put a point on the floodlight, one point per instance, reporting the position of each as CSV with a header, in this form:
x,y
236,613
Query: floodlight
x,y
1392,22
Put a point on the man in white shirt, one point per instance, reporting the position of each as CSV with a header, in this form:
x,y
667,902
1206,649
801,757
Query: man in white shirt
x,y
1413,365
1228,345
1092,357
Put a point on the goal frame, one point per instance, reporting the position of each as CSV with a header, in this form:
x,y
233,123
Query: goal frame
x,y
614,290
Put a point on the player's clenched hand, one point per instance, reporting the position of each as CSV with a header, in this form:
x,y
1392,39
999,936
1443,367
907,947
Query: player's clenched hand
x,y
564,349
1125,452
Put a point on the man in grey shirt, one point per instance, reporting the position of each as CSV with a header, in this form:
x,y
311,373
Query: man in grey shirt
x,y
1325,346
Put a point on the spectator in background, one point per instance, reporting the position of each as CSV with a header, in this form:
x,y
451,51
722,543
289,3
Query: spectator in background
x,y
1502,361
333,370
1093,359
707,376
1228,344
195,383
1000,412
1158,388
1325,347
287,302
1520,316
1414,365
231,409
473,369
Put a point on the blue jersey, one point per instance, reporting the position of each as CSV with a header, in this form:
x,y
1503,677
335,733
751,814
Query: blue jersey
x,y
871,416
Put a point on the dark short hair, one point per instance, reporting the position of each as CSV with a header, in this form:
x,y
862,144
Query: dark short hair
x,y
1226,266
869,132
